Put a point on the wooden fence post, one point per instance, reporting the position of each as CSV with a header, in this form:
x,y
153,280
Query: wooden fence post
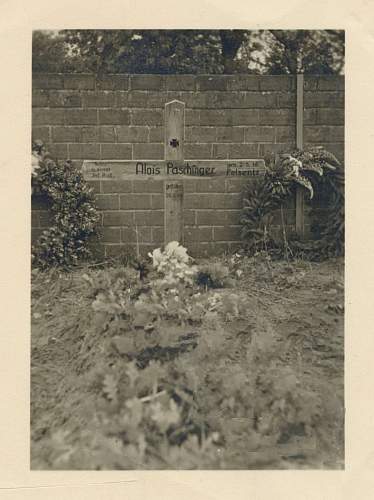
x,y
300,228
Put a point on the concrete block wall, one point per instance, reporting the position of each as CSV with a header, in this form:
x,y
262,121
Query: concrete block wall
x,y
324,113
227,116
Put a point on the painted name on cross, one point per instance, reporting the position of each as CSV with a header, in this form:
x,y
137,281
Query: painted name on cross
x,y
111,170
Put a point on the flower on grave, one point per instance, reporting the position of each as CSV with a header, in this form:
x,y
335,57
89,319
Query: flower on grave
x,y
156,257
174,249
173,264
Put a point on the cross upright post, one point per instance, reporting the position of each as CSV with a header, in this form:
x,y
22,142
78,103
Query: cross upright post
x,y
173,189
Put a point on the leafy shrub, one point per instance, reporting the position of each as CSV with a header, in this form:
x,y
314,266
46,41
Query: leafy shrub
x,y
159,319
315,170
73,210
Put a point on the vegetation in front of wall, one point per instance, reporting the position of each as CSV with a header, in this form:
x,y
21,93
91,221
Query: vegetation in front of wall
x,y
171,375
213,275
319,173
74,215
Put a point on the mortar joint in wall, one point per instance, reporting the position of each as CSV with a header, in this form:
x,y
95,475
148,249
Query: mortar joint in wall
x,y
277,101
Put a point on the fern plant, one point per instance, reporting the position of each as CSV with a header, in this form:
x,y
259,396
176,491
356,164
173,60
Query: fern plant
x,y
315,170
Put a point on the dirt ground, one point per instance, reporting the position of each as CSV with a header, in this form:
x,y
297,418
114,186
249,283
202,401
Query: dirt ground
x,y
303,301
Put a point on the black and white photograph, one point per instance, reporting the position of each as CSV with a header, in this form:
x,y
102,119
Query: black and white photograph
x,y
187,249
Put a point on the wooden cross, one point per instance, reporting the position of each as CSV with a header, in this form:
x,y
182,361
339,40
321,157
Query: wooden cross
x,y
173,189
173,169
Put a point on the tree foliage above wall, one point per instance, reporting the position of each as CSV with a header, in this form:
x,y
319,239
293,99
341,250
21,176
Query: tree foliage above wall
x,y
303,51
189,51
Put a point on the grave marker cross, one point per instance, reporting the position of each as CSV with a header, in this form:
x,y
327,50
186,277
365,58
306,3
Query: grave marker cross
x,y
172,170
